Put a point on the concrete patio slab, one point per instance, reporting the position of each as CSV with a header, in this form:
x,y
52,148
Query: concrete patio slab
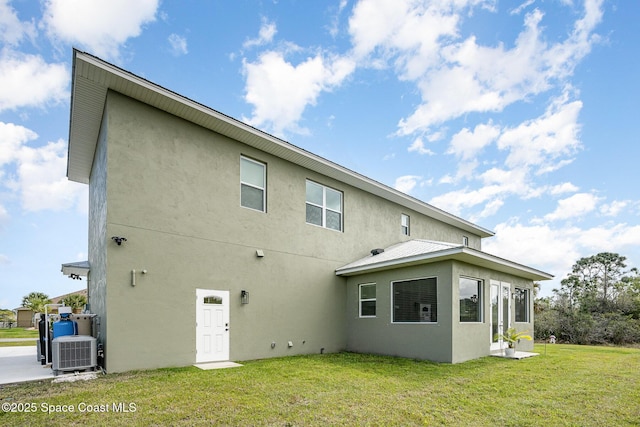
x,y
216,365
19,364
518,355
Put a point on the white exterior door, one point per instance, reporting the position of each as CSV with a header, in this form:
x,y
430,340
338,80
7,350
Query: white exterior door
x,y
500,312
212,325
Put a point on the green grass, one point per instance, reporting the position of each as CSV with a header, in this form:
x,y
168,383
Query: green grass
x,y
570,385
18,333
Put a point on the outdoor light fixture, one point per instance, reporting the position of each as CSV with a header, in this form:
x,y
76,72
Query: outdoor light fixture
x,y
119,240
244,297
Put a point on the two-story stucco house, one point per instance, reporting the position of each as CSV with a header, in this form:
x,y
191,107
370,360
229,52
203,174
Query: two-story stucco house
x,y
210,240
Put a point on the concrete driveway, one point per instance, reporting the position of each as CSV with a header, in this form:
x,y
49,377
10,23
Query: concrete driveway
x,y
19,364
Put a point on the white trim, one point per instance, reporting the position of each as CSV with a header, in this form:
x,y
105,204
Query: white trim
x,y
405,227
263,189
481,297
324,206
360,300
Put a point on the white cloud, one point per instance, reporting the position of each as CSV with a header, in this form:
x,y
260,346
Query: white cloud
x,y
266,34
28,81
575,206
280,91
12,139
523,6
101,26
457,200
40,173
540,246
178,44
565,187
12,30
42,178
462,77
490,209
418,147
614,208
4,260
555,250
467,144
406,183
405,30
4,217
541,141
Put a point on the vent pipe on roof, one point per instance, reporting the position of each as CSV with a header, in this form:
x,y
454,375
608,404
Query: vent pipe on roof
x,y
375,252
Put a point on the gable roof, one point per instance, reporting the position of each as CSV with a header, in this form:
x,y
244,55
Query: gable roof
x,y
92,78
415,252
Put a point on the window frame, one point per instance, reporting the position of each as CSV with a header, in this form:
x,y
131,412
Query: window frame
x,y
465,241
419,322
264,180
517,300
405,228
480,301
324,208
361,300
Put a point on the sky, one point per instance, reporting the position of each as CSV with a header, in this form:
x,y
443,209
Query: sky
x,y
519,116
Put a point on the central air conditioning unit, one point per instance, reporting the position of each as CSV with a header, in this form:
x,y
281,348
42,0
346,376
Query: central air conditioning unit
x,y
74,353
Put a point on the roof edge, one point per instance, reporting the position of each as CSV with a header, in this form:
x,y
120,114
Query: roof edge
x,y
462,253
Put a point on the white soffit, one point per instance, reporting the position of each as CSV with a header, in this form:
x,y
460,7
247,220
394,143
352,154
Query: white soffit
x,y
92,78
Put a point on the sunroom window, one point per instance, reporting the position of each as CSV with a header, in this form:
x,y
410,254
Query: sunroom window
x,y
415,301
470,296
521,300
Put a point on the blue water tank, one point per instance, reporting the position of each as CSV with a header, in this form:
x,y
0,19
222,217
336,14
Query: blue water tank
x,y
64,327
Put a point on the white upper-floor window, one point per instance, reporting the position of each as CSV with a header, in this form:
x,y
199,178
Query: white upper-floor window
x,y
324,206
404,224
253,189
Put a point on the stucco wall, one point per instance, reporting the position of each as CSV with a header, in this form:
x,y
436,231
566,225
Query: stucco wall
x,y
174,193
472,340
447,341
97,278
380,335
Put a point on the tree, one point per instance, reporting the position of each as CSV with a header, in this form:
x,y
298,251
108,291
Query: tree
x,y
597,303
75,301
36,301
596,280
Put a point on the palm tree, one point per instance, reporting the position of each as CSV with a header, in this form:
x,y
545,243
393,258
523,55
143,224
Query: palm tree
x,y
75,301
36,301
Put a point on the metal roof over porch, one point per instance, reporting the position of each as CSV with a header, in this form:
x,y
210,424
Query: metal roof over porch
x,y
416,252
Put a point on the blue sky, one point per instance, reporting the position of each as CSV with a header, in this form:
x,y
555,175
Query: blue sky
x,y
518,116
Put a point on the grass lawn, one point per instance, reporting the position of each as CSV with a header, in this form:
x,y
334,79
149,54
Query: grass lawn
x,y
18,333
570,385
